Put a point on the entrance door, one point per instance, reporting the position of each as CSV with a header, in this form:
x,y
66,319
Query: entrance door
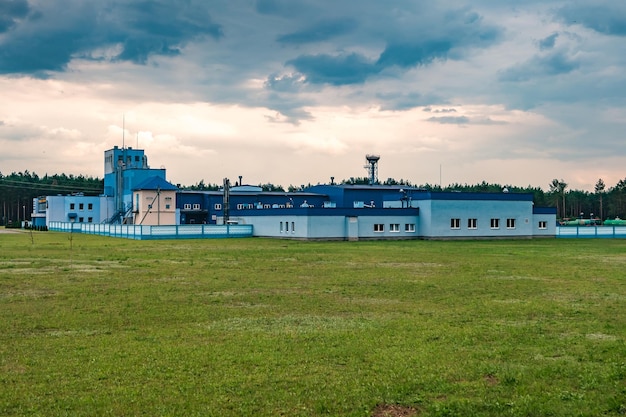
x,y
352,227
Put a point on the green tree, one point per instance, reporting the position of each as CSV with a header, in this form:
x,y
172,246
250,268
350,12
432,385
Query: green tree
x,y
599,191
557,188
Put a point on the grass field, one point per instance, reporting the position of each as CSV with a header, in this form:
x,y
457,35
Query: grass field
x,y
95,326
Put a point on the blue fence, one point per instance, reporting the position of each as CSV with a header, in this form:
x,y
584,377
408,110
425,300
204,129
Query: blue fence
x,y
591,231
140,232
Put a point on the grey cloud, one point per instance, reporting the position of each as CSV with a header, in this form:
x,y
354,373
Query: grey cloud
x,y
400,101
548,42
290,108
450,120
284,83
606,17
429,109
52,36
540,66
412,54
160,28
320,31
335,70
10,12
283,8
407,46
41,42
464,120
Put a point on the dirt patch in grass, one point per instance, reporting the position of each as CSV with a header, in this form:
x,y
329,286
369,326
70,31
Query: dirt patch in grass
x,y
491,379
394,410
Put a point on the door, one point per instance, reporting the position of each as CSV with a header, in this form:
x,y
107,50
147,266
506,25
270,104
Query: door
x,y
352,227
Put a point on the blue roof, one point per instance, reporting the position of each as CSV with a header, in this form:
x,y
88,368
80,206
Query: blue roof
x,y
156,183
369,191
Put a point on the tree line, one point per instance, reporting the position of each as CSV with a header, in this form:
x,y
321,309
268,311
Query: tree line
x,y
18,190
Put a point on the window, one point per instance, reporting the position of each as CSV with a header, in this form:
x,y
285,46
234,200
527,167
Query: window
x,y
510,223
379,227
81,219
394,227
409,227
495,223
72,205
89,219
543,224
293,227
167,207
81,206
196,206
90,206
287,227
217,206
455,223
472,223
281,227
187,206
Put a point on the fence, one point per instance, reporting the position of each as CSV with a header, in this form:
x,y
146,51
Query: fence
x,y
140,232
591,232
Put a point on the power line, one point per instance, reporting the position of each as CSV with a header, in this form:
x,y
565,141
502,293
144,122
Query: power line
x,y
40,187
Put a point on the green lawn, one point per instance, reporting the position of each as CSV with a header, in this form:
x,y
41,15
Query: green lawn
x,y
97,326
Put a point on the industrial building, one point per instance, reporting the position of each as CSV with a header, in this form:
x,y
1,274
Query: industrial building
x,y
135,194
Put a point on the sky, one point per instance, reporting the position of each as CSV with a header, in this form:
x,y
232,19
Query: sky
x,y
293,92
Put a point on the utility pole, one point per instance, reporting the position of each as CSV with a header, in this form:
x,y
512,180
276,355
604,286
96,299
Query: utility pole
x,y
226,200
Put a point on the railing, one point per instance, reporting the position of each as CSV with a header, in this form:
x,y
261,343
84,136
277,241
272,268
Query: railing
x,y
140,232
591,231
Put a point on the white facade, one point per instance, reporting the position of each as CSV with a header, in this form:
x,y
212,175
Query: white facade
x,y
79,209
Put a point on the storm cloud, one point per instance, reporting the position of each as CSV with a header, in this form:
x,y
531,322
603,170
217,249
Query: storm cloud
x,y
279,90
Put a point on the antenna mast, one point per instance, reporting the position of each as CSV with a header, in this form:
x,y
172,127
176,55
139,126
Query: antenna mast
x,y
372,168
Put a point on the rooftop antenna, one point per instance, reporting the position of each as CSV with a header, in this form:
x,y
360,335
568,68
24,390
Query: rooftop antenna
x,y
372,168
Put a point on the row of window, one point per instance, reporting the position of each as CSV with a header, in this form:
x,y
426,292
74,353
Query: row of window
x,y
189,207
284,227
395,227
455,223
82,220
240,206
250,206
81,206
